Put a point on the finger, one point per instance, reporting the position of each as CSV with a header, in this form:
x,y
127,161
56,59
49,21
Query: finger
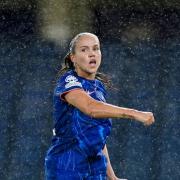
x,y
149,122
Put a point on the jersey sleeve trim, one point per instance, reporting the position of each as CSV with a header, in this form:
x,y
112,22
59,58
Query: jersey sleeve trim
x,y
64,93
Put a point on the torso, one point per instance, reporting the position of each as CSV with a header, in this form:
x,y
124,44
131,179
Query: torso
x,y
72,125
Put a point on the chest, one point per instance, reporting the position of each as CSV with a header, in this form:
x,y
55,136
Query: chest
x,y
95,90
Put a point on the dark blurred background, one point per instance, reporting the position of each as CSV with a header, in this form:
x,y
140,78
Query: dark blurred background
x,y
140,42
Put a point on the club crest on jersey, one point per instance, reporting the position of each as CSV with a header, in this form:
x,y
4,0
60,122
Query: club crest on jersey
x,y
72,81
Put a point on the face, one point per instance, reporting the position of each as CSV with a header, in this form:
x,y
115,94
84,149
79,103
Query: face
x,y
87,56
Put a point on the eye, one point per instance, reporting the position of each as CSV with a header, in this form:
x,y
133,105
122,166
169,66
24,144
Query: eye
x,y
96,48
83,50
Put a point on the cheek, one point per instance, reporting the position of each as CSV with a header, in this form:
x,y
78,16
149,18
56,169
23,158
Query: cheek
x,y
99,57
99,54
79,58
82,60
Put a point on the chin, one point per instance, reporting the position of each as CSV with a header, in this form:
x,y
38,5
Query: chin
x,y
92,72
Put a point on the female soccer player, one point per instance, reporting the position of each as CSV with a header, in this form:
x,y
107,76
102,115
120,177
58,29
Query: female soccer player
x,y
81,117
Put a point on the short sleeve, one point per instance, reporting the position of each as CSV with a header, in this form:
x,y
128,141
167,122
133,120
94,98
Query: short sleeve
x,y
66,84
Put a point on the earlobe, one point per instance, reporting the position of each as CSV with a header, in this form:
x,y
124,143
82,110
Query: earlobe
x,y
72,58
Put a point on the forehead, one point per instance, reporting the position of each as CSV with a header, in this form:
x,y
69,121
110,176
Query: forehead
x,y
87,40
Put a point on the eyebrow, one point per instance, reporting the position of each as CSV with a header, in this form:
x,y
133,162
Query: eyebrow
x,y
88,46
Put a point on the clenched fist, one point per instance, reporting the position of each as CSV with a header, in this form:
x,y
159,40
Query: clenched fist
x,y
146,118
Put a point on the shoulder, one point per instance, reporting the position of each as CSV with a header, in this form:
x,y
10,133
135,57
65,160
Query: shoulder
x,y
100,84
68,77
101,87
69,80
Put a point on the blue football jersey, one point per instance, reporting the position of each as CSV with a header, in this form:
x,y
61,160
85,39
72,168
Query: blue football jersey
x,y
73,127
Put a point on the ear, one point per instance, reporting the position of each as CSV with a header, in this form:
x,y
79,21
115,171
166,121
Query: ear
x,y
72,58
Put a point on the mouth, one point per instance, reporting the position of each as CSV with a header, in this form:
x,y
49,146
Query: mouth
x,y
92,62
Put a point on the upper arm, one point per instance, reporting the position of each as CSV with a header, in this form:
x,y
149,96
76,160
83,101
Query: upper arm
x,y
66,84
80,99
70,89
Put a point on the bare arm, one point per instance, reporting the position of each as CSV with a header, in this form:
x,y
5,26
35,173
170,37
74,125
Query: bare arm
x,y
110,172
97,109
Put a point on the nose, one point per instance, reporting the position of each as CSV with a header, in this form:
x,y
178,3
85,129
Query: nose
x,y
91,53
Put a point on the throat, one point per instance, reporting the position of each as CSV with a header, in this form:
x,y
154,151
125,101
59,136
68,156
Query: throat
x,y
86,75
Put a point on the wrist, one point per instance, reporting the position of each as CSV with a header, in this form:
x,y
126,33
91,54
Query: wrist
x,y
112,178
136,114
130,113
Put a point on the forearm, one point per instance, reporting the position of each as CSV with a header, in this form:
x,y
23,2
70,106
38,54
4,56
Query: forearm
x,y
105,110
109,171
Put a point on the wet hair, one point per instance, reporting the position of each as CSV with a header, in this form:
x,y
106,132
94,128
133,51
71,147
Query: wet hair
x,y
69,65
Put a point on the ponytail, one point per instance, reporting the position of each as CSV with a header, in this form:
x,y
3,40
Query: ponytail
x,y
67,65
104,79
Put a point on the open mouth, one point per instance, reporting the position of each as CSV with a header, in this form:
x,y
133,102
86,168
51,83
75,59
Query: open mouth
x,y
92,62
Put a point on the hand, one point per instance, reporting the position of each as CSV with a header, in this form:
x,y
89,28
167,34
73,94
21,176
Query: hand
x,y
147,118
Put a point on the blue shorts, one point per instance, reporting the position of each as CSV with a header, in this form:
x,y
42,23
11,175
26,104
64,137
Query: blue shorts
x,y
74,164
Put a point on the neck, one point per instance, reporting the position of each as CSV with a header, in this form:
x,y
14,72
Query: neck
x,y
90,76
